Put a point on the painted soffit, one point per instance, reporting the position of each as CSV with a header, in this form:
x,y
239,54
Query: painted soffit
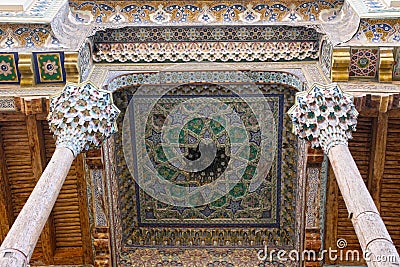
x,y
65,25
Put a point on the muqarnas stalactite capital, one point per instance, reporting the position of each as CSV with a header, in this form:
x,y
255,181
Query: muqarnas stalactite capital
x,y
82,117
324,116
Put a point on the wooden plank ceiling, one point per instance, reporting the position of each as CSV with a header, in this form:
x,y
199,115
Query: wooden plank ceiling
x,y
26,146
376,150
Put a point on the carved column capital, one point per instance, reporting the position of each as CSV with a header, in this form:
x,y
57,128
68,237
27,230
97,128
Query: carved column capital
x,y
82,116
324,115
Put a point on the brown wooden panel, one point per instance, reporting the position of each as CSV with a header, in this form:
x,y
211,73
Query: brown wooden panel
x,y
6,211
390,185
18,162
36,148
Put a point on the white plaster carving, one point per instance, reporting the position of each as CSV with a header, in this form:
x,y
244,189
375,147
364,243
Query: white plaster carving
x,y
324,115
82,117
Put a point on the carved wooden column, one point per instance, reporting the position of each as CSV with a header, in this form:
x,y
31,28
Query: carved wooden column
x,y
81,118
326,117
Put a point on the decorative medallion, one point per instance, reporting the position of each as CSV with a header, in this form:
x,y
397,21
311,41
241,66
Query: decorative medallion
x,y
49,67
240,218
9,68
363,62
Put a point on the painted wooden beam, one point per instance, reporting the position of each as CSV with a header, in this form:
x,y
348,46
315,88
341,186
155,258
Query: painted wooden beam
x,y
377,163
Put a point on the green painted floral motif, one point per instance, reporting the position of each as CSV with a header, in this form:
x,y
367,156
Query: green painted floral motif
x,y
238,191
49,67
250,171
219,202
196,125
166,172
8,70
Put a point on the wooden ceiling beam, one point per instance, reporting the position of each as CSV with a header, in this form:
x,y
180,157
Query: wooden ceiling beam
x,y
84,210
32,104
377,158
37,152
370,105
6,207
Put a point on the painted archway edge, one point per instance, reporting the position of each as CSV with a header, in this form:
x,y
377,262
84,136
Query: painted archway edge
x,y
220,77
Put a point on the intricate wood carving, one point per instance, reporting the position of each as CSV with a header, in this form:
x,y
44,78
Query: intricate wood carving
x,y
32,104
102,246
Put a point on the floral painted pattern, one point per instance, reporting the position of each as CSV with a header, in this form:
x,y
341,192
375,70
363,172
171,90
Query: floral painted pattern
x,y
8,68
49,67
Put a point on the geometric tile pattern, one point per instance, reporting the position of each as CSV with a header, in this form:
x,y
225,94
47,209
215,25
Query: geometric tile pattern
x,y
262,77
7,104
233,233
205,43
9,68
363,62
313,188
38,9
49,67
206,34
201,257
98,198
198,51
379,6
239,207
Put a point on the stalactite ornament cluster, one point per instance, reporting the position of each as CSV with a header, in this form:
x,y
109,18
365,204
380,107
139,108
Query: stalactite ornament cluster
x,y
82,116
324,116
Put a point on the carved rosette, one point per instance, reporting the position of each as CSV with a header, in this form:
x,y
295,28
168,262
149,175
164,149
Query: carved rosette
x,y
82,116
324,115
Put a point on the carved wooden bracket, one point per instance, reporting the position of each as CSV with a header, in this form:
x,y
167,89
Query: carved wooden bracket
x,y
30,105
